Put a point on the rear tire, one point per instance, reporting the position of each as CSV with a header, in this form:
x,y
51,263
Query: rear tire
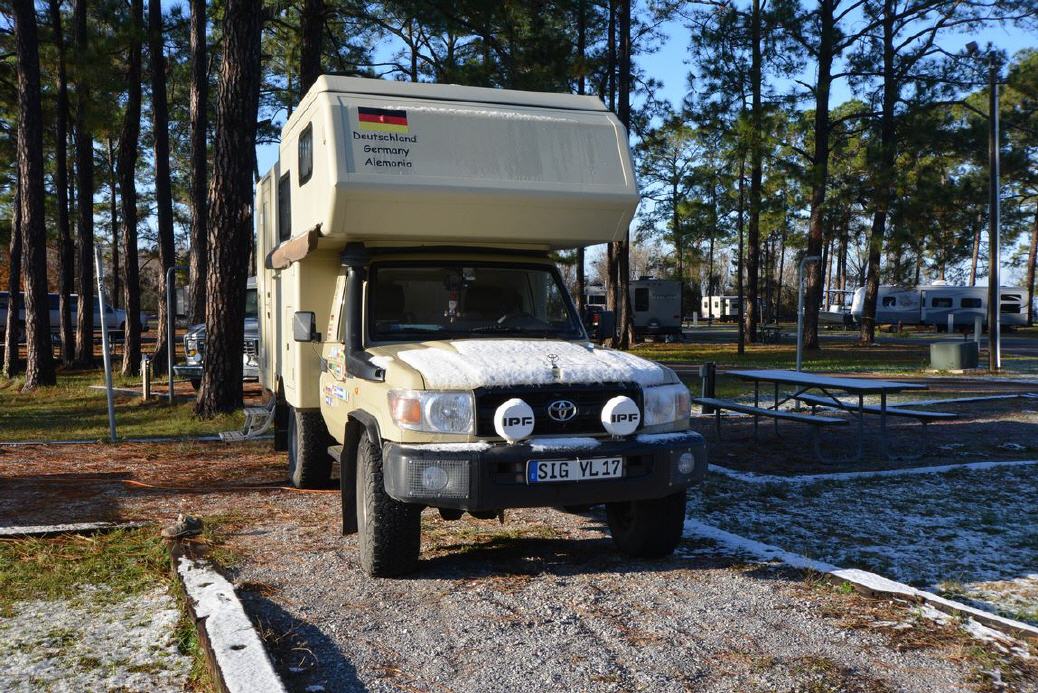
x,y
309,465
389,532
647,528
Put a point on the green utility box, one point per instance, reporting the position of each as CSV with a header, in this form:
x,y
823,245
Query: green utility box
x,y
954,356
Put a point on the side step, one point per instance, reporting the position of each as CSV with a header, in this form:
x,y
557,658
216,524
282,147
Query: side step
x,y
258,420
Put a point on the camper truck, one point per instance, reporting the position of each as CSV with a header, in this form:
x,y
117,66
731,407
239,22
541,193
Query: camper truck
x,y
932,304
414,329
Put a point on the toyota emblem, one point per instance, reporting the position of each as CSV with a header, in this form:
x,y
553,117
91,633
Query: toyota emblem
x,y
562,410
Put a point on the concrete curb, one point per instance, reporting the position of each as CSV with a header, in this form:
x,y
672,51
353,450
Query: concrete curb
x,y
27,531
233,648
864,581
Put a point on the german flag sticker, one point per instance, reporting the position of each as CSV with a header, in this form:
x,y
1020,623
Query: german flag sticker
x,y
382,119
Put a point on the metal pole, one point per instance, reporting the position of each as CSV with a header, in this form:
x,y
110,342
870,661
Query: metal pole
x,y
994,281
800,308
107,356
171,323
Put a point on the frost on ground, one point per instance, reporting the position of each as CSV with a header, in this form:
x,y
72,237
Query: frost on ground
x,y
968,534
92,644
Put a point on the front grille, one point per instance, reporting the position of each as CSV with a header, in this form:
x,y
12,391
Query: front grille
x,y
250,347
589,400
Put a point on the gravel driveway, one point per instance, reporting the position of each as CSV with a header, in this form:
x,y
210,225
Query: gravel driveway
x,y
544,603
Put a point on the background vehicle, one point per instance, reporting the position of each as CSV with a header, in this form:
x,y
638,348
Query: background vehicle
x,y
115,318
931,304
723,308
656,308
194,344
415,329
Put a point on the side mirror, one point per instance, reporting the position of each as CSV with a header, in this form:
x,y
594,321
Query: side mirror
x,y
606,325
303,327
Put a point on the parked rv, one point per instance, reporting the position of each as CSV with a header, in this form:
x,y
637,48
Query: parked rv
x,y
931,305
414,328
721,308
655,307
194,344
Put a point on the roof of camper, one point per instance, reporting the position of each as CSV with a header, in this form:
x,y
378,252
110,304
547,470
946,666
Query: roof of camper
x,y
448,92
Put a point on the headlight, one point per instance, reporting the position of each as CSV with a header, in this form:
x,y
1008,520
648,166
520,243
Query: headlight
x,y
432,412
666,404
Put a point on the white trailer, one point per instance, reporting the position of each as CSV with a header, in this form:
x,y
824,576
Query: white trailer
x,y
932,304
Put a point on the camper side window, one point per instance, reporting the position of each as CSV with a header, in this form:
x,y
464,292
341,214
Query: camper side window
x,y
889,301
306,154
285,207
941,302
970,303
641,299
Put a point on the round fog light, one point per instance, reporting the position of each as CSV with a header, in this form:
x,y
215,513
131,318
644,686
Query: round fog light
x,y
686,463
434,478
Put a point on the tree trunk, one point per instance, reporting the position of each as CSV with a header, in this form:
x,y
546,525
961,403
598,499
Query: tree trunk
x,y
781,269
819,171
39,360
976,248
1031,257
311,31
66,248
756,174
199,161
127,166
885,177
84,354
117,290
626,321
230,207
163,193
12,326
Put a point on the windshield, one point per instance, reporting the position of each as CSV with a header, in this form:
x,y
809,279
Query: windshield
x,y
424,301
251,310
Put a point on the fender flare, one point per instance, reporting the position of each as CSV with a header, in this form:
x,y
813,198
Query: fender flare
x,y
370,424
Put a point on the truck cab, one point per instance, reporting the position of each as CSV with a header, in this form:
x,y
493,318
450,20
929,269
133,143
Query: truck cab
x,y
414,328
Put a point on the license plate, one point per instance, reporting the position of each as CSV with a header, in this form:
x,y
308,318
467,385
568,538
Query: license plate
x,y
546,471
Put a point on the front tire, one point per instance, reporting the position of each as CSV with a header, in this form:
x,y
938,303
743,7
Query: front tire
x,y
389,532
309,465
647,528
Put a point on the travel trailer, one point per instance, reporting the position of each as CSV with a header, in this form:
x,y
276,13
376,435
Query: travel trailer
x,y
723,308
414,328
655,306
933,303
836,308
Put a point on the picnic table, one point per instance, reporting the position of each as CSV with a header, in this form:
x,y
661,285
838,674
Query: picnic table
x,y
803,383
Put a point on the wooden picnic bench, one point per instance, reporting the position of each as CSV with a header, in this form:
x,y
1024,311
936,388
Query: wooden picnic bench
x,y
776,415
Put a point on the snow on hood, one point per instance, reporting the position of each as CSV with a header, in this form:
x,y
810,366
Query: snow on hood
x,y
472,363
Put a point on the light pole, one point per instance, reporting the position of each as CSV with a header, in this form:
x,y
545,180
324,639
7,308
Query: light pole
x,y
995,225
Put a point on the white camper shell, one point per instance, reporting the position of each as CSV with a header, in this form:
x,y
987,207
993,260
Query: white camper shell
x,y
415,329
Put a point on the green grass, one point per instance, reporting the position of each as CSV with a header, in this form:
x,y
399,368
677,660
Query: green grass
x,y
886,358
125,562
71,410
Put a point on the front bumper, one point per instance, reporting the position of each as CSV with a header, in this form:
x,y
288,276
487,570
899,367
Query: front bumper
x,y
193,371
494,477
